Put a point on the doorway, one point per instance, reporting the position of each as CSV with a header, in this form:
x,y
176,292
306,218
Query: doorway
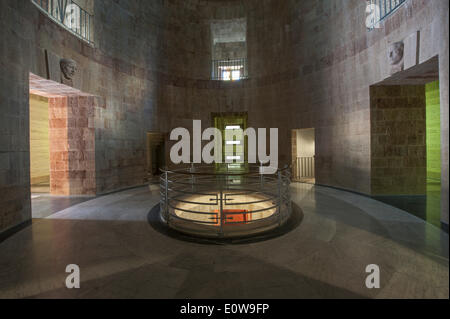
x,y
234,142
406,141
62,138
62,146
39,145
155,155
433,152
303,155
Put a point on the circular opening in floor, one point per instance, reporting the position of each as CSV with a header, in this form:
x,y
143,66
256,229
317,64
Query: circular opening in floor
x,y
223,204
160,226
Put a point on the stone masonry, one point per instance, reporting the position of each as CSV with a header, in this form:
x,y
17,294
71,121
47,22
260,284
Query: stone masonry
x,y
311,65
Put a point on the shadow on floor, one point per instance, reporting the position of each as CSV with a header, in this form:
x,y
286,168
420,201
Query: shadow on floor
x,y
43,206
420,237
198,276
426,207
41,188
293,222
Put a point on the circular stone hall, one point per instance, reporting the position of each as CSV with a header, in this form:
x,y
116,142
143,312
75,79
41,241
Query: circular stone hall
x,y
224,149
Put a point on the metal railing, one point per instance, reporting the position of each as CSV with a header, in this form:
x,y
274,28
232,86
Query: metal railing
x,y
70,15
201,202
304,168
229,70
381,9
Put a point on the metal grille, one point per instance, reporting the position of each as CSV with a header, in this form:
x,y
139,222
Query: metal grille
x,y
304,168
381,9
70,15
202,202
229,70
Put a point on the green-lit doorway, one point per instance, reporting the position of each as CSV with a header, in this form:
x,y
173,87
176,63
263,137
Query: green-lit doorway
x,y
155,155
234,142
433,149
39,144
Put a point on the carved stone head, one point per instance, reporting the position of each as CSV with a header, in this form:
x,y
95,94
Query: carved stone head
x,y
68,68
396,52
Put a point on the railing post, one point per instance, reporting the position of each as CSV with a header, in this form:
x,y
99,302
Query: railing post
x,y
81,25
261,177
166,195
279,198
286,189
221,212
192,170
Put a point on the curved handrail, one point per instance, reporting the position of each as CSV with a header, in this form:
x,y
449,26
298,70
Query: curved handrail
x,y
252,202
189,171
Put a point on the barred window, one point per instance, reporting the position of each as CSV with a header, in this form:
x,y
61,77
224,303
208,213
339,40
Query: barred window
x,y
70,15
380,10
229,70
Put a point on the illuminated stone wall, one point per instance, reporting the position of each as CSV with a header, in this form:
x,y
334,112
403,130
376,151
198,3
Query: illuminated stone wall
x,y
72,148
119,70
433,131
398,140
311,65
39,140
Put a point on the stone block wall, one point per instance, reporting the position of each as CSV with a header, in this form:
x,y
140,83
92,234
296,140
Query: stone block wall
x,y
227,51
81,145
72,148
398,140
39,140
294,149
311,65
119,70
15,199
59,156
433,131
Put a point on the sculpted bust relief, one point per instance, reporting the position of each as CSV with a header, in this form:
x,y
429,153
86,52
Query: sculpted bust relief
x,y
396,52
68,70
395,57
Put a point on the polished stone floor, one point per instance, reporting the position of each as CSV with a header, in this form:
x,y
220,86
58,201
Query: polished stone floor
x,y
121,256
41,188
426,207
44,205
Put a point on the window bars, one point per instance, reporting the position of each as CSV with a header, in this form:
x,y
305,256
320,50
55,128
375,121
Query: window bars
x,y
229,70
380,10
304,168
70,15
